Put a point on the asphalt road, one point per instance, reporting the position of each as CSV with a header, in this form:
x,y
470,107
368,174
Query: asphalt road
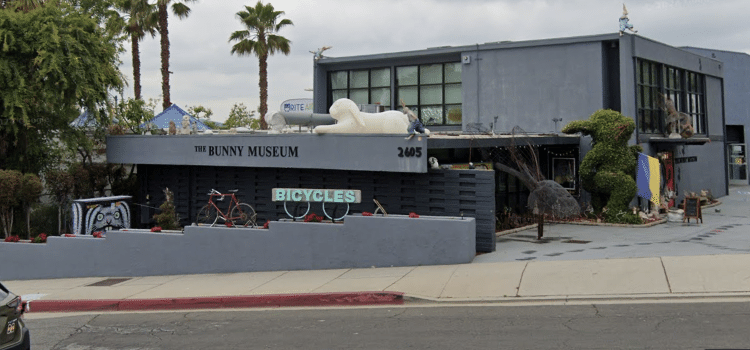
x,y
613,326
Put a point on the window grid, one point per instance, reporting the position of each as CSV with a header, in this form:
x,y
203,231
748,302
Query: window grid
x,y
362,86
686,89
434,94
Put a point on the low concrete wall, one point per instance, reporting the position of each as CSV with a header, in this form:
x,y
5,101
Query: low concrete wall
x,y
360,241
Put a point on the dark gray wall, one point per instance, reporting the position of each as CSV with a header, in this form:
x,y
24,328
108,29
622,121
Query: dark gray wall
x,y
529,86
357,243
437,192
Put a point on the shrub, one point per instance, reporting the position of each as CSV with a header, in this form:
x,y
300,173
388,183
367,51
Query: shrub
x,y
413,215
40,238
167,219
312,217
12,239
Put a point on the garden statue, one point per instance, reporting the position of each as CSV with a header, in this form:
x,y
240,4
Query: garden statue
x,y
678,123
624,21
607,170
185,125
172,128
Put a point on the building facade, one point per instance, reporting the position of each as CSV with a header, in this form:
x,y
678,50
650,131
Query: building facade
x,y
542,85
736,66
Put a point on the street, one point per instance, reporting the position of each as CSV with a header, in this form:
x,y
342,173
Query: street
x,y
487,326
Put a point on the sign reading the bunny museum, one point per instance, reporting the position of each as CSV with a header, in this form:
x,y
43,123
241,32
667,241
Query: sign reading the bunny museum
x,y
370,152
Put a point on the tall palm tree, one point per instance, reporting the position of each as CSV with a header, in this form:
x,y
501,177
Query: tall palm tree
x,y
142,19
262,22
182,11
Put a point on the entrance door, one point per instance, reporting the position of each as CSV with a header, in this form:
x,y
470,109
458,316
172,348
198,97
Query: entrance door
x,y
737,164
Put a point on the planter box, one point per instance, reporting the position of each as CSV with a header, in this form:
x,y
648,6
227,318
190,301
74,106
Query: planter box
x,y
361,241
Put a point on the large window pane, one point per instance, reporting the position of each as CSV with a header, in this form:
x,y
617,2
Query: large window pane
x,y
453,93
432,74
359,96
406,75
431,115
338,80
358,79
408,95
337,94
382,96
453,72
453,114
431,95
380,77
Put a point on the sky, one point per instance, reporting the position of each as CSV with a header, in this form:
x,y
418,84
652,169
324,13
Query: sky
x,y
206,73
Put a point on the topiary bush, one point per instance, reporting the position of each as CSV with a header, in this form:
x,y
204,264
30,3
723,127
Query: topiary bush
x,y
607,170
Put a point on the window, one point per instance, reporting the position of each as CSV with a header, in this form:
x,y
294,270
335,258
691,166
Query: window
x,y
433,91
365,86
655,82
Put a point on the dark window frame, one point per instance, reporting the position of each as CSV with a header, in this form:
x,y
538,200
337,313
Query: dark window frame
x,y
686,88
443,105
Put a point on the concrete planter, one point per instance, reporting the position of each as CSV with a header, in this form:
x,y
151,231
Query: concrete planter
x,y
395,240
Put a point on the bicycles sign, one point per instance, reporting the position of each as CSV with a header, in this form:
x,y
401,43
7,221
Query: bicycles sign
x,y
332,196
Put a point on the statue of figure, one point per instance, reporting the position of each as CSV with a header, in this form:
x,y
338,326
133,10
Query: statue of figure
x,y
195,127
318,54
185,125
350,120
624,21
678,123
415,126
172,128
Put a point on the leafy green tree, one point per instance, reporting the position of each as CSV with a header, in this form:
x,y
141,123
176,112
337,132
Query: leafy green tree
x,y
262,22
60,184
54,61
28,193
240,116
204,115
181,11
10,183
133,113
167,219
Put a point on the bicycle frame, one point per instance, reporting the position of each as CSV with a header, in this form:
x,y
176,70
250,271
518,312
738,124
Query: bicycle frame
x,y
233,202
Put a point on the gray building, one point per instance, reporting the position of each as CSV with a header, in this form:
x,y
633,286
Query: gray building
x,y
736,66
541,85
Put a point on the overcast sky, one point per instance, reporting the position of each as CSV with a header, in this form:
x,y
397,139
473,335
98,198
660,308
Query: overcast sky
x,y
205,73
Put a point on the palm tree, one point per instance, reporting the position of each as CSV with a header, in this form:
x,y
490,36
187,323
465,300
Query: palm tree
x,y
261,21
182,11
142,20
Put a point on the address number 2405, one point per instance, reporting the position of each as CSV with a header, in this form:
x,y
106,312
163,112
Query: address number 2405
x,y
410,152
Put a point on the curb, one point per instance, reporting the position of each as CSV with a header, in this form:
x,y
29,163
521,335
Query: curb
x,y
229,302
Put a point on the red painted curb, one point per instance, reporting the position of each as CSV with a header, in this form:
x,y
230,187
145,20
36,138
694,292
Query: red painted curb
x,y
228,302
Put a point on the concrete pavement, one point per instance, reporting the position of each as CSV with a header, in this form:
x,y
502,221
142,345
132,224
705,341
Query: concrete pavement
x,y
672,261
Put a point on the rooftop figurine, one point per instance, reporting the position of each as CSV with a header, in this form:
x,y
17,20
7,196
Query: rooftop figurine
x,y
319,52
624,21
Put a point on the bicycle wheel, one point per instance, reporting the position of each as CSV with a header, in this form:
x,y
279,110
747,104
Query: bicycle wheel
x,y
207,215
243,215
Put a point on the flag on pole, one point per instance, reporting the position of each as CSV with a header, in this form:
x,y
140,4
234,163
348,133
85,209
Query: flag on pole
x,y
648,178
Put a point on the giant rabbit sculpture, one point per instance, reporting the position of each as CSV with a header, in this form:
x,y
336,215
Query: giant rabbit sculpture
x,y
607,170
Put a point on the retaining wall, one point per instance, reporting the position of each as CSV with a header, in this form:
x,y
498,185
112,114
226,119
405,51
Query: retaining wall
x,y
360,241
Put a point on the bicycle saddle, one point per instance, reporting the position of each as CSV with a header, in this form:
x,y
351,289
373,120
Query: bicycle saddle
x,y
233,191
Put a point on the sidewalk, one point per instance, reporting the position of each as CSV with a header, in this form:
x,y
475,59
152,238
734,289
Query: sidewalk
x,y
668,261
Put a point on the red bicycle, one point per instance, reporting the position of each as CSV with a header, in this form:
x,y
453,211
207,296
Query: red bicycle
x,y
236,214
